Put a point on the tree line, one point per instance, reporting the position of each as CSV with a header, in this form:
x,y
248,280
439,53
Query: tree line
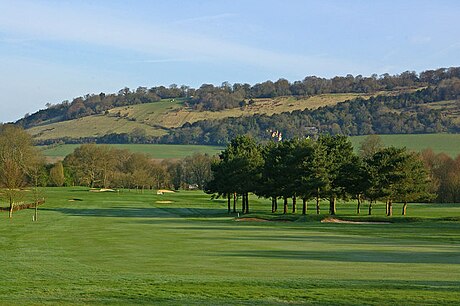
x,y
107,167
211,97
215,98
326,168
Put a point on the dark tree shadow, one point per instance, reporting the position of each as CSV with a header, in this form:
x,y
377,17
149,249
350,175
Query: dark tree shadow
x,y
356,256
140,212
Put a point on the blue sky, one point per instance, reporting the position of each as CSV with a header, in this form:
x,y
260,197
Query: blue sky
x,y
56,50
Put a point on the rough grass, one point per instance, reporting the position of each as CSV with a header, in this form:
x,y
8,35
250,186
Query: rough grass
x,y
450,108
91,126
124,248
447,143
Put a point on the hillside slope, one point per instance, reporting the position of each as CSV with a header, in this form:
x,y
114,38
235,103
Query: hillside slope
x,y
155,119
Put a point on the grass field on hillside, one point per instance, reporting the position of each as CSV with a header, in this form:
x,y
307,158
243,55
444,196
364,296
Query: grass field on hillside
x,y
447,143
92,126
260,106
157,151
182,248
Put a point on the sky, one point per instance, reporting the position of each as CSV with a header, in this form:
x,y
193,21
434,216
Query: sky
x,y
56,50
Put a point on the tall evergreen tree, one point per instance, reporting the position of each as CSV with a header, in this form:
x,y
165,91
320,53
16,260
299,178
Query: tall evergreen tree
x,y
339,152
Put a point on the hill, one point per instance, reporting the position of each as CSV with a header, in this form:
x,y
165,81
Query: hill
x,y
157,118
402,104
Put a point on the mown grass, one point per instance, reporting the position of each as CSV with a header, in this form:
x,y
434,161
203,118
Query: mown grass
x,y
447,143
126,248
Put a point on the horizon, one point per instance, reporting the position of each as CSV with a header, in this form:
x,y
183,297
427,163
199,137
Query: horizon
x,y
87,48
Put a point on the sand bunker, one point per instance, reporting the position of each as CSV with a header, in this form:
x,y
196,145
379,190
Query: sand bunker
x,y
163,202
334,220
162,191
102,190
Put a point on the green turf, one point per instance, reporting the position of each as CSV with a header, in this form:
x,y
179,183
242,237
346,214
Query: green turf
x,y
160,151
125,248
447,143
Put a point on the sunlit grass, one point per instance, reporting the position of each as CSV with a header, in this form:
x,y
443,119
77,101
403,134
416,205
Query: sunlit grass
x,y
127,248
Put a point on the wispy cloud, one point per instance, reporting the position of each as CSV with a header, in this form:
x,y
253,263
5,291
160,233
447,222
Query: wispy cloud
x,y
41,21
161,60
420,39
203,18
15,41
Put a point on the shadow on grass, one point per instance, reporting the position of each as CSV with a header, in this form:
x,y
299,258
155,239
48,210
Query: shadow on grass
x,y
356,256
148,212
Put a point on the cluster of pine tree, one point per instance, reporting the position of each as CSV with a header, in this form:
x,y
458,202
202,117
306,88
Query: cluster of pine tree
x,y
325,168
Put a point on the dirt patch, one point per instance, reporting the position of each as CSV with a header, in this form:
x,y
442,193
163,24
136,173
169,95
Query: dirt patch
x,y
164,202
334,220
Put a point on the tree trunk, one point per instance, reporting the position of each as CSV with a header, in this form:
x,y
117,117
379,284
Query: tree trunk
x,y
273,204
294,204
234,202
304,206
10,215
276,204
332,206
243,203
404,208
285,208
370,208
36,211
358,209
390,208
386,208
317,203
229,203
247,202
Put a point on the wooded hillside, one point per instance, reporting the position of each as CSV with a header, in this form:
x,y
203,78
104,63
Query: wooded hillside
x,y
404,103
